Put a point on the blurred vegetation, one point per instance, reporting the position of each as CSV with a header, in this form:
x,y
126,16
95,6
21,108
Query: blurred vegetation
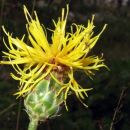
x,y
111,88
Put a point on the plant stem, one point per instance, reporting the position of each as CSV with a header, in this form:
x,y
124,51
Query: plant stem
x,y
33,125
19,113
118,108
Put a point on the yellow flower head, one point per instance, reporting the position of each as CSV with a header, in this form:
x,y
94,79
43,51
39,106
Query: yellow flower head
x,y
59,59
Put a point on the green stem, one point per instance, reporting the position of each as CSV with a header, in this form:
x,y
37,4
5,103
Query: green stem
x,y
33,125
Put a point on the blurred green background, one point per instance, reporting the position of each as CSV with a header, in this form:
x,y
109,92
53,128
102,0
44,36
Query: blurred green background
x,y
109,101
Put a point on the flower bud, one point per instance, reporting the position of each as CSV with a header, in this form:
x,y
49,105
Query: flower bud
x,y
42,102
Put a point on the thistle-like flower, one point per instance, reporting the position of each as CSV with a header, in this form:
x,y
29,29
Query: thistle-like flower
x,y
67,52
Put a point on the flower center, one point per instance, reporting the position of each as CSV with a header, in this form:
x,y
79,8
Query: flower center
x,y
59,70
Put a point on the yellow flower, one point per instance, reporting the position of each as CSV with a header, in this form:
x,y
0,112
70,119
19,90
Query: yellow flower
x,y
59,59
